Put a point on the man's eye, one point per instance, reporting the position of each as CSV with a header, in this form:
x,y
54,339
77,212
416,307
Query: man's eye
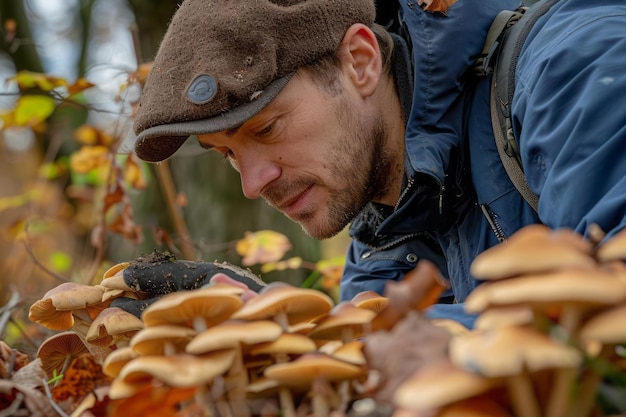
x,y
267,129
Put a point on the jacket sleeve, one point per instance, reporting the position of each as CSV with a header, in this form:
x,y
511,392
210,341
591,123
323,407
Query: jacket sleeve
x,y
368,269
570,117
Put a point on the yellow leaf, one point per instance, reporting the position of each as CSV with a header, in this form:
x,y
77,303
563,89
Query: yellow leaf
x,y
32,110
291,263
80,85
331,270
262,247
134,175
91,135
27,79
88,158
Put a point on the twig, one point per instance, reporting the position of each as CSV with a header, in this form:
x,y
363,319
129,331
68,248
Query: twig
x,y
52,402
25,336
6,311
15,405
53,274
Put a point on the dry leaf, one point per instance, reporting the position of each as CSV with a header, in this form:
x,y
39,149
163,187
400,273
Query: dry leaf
x,y
440,6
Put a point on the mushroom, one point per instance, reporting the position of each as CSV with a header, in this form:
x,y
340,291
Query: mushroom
x,y
199,308
314,371
116,360
68,306
534,249
572,291
113,327
439,384
58,351
345,322
511,352
370,300
232,334
286,304
280,349
161,340
495,317
150,398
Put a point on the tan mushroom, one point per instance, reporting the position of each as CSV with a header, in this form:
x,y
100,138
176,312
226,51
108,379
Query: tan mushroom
x,y
534,249
200,309
510,353
345,322
113,327
57,352
68,306
314,371
370,300
286,304
233,334
162,340
116,360
439,384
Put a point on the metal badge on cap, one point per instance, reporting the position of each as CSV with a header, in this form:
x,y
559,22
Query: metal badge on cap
x,y
202,89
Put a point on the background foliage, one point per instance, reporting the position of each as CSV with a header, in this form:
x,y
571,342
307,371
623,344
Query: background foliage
x,y
72,200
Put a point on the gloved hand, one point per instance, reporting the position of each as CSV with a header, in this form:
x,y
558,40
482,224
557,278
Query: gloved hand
x,y
159,273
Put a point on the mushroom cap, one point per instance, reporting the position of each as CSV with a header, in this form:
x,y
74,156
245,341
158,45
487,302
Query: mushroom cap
x,y
310,366
299,304
533,249
454,327
370,300
153,340
214,304
178,370
112,324
509,351
55,350
344,320
438,384
606,327
233,333
115,361
481,406
288,343
575,286
351,352
54,309
496,317
115,269
613,249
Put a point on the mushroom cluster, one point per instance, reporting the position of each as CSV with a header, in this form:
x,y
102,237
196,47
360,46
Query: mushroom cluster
x,y
551,314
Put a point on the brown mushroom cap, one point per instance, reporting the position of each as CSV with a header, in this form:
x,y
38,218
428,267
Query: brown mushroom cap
x,y
298,304
613,249
310,366
606,327
212,305
113,325
370,300
115,361
58,350
496,317
288,343
54,309
574,286
438,384
511,350
178,370
351,352
231,333
344,322
534,249
158,339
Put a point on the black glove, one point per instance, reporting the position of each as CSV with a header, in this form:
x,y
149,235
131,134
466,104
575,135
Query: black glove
x,y
160,273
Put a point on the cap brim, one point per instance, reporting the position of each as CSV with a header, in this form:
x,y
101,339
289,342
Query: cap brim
x,y
159,143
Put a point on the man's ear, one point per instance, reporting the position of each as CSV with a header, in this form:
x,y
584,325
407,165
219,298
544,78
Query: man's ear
x,y
362,59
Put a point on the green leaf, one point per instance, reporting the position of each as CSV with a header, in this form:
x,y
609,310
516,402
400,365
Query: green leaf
x,y
32,110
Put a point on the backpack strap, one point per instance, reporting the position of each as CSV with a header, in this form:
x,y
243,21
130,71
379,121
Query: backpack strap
x,y
503,48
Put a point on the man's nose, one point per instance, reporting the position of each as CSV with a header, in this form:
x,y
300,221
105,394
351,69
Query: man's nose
x,y
256,173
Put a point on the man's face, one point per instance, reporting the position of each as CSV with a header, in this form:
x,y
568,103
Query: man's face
x,y
316,156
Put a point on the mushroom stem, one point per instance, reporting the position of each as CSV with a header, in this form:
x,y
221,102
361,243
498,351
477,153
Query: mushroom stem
x,y
236,383
570,319
522,395
558,402
585,399
287,406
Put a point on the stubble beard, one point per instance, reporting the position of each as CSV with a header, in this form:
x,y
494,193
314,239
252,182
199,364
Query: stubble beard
x,y
361,166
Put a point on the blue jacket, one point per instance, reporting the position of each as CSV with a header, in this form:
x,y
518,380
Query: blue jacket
x,y
458,200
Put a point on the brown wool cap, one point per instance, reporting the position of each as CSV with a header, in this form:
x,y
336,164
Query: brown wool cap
x,y
223,61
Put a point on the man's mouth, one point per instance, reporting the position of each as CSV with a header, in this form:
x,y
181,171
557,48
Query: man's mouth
x,y
295,204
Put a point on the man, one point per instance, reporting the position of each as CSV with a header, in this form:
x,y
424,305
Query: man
x,y
334,122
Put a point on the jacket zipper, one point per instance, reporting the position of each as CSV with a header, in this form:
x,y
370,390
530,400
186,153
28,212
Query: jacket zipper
x,y
493,222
